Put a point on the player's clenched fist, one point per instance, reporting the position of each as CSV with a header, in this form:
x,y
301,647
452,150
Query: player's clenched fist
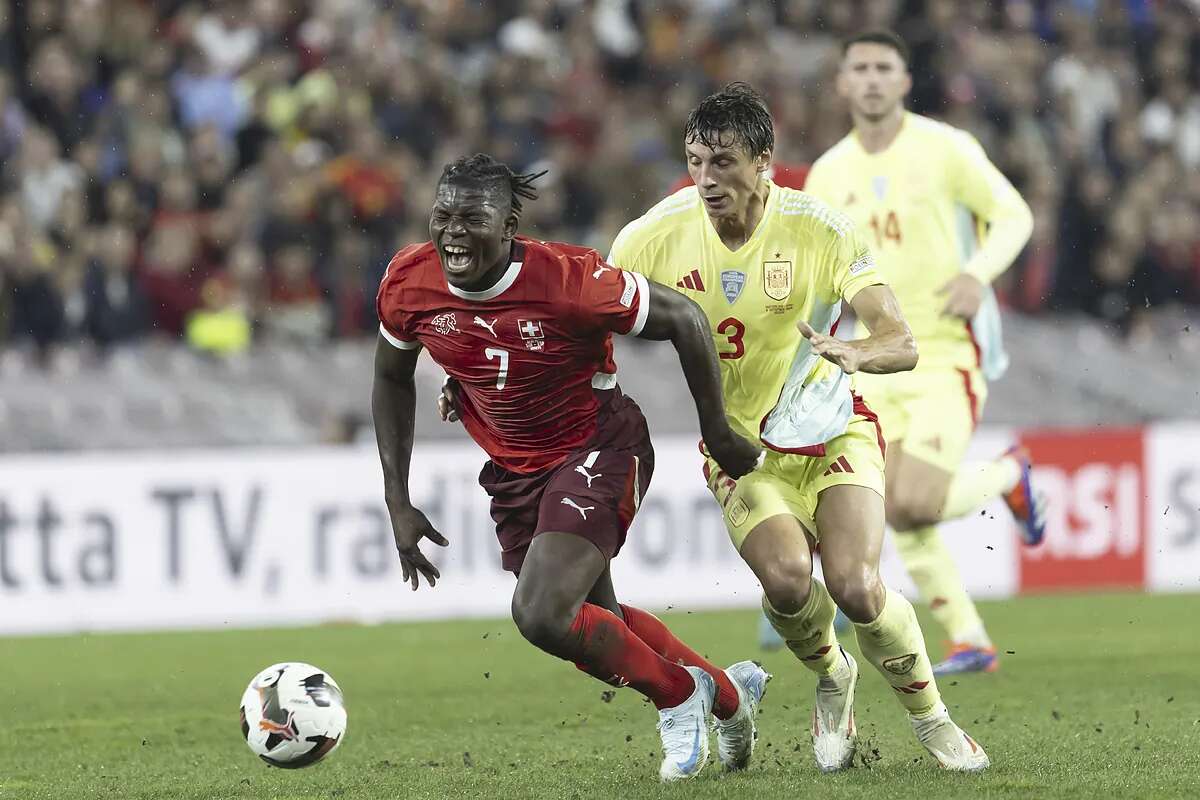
x,y
447,401
845,354
735,455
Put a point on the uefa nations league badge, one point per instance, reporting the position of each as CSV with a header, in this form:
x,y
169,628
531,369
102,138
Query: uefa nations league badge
x,y
732,281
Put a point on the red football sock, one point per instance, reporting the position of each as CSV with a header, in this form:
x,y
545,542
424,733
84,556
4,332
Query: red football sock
x,y
605,648
653,632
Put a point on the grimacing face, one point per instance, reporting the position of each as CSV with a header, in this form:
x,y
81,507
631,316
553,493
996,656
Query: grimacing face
x,y
725,176
873,79
472,228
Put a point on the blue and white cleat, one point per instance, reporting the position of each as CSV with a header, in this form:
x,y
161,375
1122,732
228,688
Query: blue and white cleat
x,y
1028,507
966,658
684,730
736,735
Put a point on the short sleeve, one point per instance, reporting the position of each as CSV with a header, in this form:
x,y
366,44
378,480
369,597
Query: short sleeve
x,y
612,299
393,321
851,264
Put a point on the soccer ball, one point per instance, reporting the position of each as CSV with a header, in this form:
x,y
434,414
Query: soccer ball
x,y
293,715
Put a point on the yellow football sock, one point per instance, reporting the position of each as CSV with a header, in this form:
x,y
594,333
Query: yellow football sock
x,y
893,643
809,632
933,570
977,483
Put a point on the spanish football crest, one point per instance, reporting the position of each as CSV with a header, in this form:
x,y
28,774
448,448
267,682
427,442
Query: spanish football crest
x,y
732,281
777,279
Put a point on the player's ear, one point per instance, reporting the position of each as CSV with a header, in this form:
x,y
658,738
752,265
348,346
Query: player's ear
x,y
510,225
763,162
907,82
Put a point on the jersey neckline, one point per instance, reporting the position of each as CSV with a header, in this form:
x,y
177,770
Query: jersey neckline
x,y
500,287
768,209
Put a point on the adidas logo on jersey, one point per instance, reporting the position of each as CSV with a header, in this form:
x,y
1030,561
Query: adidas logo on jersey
x,y
691,281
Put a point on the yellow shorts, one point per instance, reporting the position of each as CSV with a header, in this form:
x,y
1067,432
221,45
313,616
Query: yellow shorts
x,y
790,484
930,414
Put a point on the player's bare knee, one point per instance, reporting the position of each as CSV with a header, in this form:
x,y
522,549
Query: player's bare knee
x,y
787,582
859,593
543,627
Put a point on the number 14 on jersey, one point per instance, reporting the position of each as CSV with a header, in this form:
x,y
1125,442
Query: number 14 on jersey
x,y
886,228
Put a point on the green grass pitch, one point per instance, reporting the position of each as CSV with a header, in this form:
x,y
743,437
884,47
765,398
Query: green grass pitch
x,y
1099,699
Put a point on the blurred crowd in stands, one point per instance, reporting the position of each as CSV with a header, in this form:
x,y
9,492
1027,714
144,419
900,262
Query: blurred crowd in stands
x,y
227,172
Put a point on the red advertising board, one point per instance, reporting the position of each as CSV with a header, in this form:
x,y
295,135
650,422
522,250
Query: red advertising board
x,y
1095,481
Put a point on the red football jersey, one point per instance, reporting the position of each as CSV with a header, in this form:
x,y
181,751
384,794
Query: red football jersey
x,y
791,176
530,353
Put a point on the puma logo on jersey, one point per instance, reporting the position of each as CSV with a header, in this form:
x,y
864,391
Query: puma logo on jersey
x,y
566,501
589,476
600,270
691,281
491,326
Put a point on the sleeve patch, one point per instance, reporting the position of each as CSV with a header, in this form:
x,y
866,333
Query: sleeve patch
x,y
862,264
630,290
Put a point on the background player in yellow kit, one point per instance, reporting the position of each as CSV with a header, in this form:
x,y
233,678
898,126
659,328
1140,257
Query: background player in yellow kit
x,y
771,267
943,223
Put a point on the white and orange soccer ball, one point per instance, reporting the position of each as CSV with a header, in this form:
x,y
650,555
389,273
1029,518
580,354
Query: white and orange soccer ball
x,y
293,715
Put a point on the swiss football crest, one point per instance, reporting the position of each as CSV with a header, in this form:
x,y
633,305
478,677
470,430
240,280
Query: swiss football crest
x,y
732,281
445,324
777,279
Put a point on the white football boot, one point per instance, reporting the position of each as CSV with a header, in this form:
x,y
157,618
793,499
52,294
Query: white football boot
x,y
684,730
736,735
953,749
833,731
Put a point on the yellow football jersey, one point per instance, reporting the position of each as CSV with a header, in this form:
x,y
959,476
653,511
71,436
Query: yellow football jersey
x,y
923,203
802,260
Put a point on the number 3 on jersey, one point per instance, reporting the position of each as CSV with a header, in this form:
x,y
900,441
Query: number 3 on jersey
x,y
492,353
732,328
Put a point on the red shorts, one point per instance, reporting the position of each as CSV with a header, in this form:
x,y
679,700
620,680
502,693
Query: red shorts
x,y
593,494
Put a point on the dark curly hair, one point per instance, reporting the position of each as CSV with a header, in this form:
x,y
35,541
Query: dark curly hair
x,y
738,111
486,172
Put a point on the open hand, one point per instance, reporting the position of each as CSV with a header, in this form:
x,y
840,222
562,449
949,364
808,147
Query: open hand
x,y
963,294
844,354
409,527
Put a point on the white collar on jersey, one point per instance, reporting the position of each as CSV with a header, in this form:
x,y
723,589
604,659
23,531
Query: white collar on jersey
x,y
501,286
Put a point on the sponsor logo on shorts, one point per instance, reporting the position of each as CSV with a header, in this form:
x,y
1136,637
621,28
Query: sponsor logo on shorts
x,y
901,665
839,465
739,512
589,477
566,501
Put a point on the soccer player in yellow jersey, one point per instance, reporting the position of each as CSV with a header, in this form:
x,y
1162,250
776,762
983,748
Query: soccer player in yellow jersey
x,y
772,268
943,222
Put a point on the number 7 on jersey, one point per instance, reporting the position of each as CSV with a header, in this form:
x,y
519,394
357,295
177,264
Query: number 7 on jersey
x,y
492,353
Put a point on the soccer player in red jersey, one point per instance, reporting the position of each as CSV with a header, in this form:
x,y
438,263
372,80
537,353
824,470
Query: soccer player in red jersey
x,y
525,327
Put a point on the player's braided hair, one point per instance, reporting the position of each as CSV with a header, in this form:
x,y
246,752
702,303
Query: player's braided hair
x,y
738,111
486,171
